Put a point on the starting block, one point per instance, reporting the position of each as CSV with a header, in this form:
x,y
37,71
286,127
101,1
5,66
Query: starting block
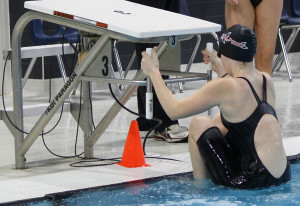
x,y
110,20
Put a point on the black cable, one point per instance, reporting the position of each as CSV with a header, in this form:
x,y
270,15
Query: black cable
x,y
140,115
90,44
79,115
77,132
117,159
53,152
91,105
50,151
5,111
63,51
164,158
87,160
77,164
42,134
76,52
78,122
75,47
76,139
73,60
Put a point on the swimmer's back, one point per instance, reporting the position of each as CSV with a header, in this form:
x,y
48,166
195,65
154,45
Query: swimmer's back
x,y
267,140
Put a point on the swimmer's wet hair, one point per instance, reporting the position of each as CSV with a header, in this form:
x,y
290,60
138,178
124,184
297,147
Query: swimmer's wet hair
x,y
238,43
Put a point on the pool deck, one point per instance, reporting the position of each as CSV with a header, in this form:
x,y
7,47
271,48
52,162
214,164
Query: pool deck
x,y
46,174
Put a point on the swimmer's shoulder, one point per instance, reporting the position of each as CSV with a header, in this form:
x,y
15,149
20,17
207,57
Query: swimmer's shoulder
x,y
226,87
267,75
271,93
269,80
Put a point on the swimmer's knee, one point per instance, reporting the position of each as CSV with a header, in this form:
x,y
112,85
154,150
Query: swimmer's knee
x,y
199,122
198,119
198,125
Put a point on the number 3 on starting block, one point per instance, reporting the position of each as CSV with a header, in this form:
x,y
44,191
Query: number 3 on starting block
x,y
101,65
173,41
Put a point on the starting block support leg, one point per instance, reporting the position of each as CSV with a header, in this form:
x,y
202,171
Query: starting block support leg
x,y
61,96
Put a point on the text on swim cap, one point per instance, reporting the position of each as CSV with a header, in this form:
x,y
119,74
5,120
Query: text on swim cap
x,y
226,38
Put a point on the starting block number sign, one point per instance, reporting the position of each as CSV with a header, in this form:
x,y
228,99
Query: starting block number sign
x,y
101,65
173,41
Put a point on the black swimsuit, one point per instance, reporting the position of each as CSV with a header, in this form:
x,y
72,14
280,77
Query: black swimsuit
x,y
233,161
255,2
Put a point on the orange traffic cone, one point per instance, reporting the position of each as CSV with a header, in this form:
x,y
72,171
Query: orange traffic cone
x,y
133,154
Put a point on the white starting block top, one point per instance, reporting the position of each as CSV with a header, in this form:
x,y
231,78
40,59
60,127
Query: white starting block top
x,y
125,17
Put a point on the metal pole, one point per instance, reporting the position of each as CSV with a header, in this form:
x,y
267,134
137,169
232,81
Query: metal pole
x,y
189,65
117,58
214,34
287,63
114,77
279,60
209,78
16,70
191,77
29,70
132,58
86,112
61,68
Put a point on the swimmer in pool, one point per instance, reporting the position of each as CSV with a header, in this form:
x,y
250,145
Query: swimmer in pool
x,y
241,147
264,17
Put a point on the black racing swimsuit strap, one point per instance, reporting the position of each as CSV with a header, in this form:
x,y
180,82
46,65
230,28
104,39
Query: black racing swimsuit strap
x,y
264,89
253,90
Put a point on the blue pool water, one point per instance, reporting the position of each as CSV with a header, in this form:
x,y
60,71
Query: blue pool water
x,y
182,190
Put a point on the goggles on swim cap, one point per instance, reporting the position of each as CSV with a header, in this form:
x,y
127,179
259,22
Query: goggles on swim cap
x,y
238,43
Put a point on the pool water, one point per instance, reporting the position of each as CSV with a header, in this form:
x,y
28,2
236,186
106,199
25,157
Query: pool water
x,y
182,190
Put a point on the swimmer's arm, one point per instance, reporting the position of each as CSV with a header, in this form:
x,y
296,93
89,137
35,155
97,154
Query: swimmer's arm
x,y
207,97
214,93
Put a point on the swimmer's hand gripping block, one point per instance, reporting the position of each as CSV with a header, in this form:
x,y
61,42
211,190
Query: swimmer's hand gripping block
x,y
133,154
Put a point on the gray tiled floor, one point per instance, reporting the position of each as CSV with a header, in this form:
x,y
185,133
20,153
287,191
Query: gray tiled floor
x,y
46,174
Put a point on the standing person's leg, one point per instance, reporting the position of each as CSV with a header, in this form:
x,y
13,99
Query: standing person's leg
x,y
173,5
268,14
243,13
